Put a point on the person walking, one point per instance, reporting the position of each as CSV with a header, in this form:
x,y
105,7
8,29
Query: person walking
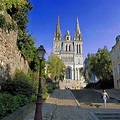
x,y
105,96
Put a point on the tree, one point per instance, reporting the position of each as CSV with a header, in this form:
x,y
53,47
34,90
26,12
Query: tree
x,y
87,67
56,67
103,64
18,10
8,4
99,64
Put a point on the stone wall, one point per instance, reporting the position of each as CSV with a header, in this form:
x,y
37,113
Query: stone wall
x,y
10,56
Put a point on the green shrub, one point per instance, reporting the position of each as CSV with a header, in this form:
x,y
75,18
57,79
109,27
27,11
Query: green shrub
x,y
9,103
34,98
22,100
45,95
50,85
44,89
18,87
21,84
50,88
21,76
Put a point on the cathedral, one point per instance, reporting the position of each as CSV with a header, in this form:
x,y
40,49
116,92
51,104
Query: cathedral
x,y
70,51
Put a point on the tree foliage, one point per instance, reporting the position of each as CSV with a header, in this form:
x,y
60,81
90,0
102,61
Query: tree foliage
x,y
18,10
56,67
7,4
87,67
25,43
99,64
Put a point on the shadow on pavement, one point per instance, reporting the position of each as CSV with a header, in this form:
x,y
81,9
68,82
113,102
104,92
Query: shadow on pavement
x,y
92,99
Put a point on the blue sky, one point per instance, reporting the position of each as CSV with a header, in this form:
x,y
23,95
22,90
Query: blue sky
x,y
99,22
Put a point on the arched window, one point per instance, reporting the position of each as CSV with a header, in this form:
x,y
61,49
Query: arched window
x,y
66,47
61,47
77,48
69,48
68,73
67,38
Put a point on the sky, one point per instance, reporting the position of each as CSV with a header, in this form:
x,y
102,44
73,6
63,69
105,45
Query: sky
x,y
99,22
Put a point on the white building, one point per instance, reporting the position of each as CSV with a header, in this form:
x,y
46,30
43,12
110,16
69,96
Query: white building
x,y
70,51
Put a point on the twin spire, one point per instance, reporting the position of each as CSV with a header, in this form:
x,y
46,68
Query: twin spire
x,y
58,30
77,26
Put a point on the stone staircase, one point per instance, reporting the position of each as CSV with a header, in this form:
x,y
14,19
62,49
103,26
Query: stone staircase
x,y
72,84
108,116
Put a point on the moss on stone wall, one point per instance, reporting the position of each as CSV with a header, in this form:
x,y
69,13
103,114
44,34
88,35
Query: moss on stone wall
x,y
5,24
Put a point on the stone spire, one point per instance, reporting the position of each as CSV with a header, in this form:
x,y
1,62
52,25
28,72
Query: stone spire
x,y
77,26
77,35
58,33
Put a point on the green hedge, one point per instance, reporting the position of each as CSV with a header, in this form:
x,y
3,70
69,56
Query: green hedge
x,y
50,85
18,87
10,103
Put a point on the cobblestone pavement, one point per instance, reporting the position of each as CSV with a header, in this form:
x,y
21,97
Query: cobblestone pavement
x,y
48,107
67,108
61,105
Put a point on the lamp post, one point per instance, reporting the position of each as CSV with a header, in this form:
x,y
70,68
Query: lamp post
x,y
38,111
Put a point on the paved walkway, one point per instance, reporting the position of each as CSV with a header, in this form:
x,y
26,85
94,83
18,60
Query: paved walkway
x,y
61,105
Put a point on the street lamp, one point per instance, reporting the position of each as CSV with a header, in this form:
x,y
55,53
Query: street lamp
x,y
38,111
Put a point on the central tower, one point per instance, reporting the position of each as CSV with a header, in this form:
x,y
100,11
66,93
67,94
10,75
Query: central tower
x,y
70,51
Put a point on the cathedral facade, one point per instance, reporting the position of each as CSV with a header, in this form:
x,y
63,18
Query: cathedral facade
x,y
70,51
